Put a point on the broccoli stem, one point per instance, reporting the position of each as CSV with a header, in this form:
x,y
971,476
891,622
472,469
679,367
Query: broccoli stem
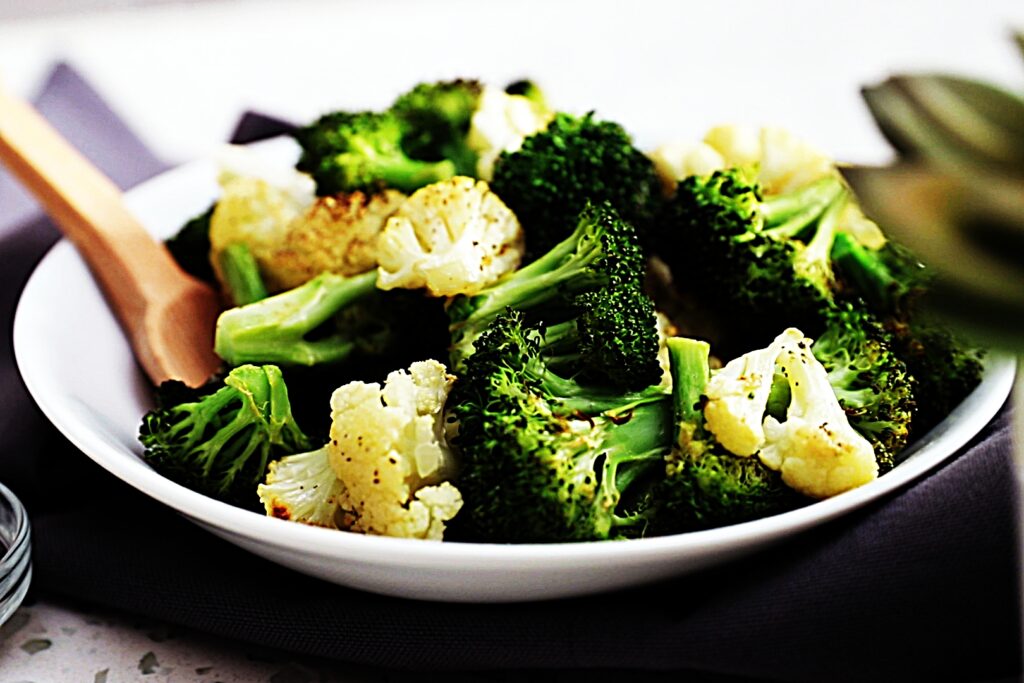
x,y
274,330
399,172
787,215
241,274
690,368
635,443
866,273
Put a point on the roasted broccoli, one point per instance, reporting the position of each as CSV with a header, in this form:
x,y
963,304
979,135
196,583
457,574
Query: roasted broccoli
x,y
765,259
564,284
349,151
545,459
436,119
573,161
611,338
331,319
871,382
218,440
894,283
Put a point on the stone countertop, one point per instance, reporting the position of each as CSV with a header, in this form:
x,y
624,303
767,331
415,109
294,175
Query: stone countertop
x,y
52,640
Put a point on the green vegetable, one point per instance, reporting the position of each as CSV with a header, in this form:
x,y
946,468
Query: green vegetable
x,y
219,440
345,152
871,381
575,161
241,274
545,459
436,118
588,284
765,259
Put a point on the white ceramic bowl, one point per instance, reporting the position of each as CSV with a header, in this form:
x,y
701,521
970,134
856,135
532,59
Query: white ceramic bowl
x,y
79,368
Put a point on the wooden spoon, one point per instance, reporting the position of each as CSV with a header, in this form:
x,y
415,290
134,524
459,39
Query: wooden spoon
x,y
168,315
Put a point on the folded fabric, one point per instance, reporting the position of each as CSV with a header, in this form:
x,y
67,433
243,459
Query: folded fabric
x,y
921,585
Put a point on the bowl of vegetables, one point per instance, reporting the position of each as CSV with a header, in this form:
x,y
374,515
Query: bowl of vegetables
x,y
478,349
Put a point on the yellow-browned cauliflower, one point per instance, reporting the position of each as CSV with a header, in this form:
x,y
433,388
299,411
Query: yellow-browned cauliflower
x,y
452,237
817,451
336,234
388,449
385,470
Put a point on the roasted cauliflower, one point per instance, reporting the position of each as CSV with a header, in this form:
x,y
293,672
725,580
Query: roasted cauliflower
x,y
452,237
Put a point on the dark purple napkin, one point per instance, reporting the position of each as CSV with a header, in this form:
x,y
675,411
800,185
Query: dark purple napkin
x,y
920,586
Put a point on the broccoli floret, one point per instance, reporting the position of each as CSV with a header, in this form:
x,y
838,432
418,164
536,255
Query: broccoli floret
x,y
946,370
871,382
349,151
894,283
704,485
190,246
545,459
241,275
278,329
601,253
765,259
436,118
220,439
890,279
332,319
612,339
575,160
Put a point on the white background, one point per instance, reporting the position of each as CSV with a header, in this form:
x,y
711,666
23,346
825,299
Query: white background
x,y
181,73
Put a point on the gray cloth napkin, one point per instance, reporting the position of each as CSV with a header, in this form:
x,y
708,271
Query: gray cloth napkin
x,y
919,586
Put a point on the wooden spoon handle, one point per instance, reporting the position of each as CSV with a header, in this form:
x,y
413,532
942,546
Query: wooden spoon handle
x,y
167,315
88,208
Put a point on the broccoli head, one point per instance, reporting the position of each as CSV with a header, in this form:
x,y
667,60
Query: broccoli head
x,y
220,439
601,253
573,161
436,118
871,382
536,467
766,259
350,151
612,338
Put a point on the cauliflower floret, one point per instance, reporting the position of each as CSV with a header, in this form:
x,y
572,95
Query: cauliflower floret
x,y
739,145
675,160
388,449
500,124
303,488
256,205
783,161
817,451
336,234
452,237
788,162
738,395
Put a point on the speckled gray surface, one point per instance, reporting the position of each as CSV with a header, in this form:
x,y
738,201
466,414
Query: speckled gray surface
x,y
53,642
